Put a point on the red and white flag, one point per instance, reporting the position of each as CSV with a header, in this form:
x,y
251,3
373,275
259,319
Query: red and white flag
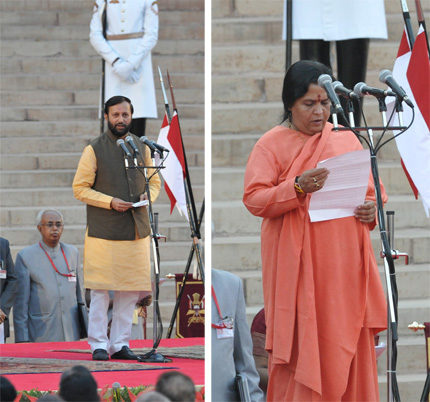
x,y
174,171
412,71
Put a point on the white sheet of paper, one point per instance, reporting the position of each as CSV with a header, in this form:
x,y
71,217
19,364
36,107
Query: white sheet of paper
x,y
345,187
140,203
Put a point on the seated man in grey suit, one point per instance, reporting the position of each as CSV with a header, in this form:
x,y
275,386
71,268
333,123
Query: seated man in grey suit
x,y
45,308
231,340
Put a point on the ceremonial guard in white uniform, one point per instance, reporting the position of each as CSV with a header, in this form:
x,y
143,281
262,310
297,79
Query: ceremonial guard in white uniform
x,y
350,24
131,34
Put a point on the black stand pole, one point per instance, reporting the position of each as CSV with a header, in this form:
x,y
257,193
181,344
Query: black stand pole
x,y
153,356
387,253
184,279
289,34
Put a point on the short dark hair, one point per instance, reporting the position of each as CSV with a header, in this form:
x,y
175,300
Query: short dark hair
x,y
115,100
7,390
297,80
78,384
176,386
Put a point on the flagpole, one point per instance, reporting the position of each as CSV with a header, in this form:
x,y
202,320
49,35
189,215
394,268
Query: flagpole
x,y
422,22
166,102
408,25
103,77
187,174
191,206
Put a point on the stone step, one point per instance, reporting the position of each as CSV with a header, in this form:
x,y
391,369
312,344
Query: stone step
x,y
91,129
232,217
72,65
82,48
259,117
234,149
243,252
21,206
391,174
83,97
410,355
169,252
413,282
57,177
66,160
79,5
262,86
171,26
20,199
274,8
74,233
76,82
410,386
84,112
230,59
54,144
268,29
405,309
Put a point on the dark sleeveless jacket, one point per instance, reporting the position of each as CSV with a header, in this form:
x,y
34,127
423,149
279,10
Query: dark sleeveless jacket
x,y
112,178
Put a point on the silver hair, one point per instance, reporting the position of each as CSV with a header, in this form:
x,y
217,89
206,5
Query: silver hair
x,y
152,396
44,211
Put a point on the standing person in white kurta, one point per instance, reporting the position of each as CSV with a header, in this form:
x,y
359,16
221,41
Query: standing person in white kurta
x,y
131,34
350,24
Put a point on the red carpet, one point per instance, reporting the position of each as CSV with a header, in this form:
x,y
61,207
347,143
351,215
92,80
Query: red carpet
x,y
49,381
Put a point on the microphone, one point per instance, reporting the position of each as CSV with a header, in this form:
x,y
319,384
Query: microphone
x,y
345,92
324,81
154,146
149,143
129,139
361,89
386,77
160,147
121,144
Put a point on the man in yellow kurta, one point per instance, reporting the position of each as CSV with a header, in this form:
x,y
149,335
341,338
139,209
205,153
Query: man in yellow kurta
x,y
116,254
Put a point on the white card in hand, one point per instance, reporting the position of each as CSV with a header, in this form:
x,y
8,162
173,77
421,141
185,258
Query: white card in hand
x,y
140,203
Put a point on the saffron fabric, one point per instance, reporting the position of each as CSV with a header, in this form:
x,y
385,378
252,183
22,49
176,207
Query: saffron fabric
x,y
320,280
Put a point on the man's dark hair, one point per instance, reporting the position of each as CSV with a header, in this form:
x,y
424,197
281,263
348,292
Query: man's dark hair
x,y
78,384
7,390
297,80
176,386
115,100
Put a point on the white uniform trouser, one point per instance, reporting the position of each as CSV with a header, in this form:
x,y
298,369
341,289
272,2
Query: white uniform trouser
x,y
122,318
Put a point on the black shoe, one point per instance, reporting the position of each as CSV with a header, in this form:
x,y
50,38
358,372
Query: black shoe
x,y
100,354
124,354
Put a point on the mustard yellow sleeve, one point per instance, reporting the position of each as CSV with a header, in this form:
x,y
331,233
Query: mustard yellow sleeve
x,y
155,182
84,180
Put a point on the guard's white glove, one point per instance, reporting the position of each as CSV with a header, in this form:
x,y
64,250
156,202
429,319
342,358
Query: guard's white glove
x,y
134,77
123,69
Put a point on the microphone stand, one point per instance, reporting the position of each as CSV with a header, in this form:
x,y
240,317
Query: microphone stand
x,y
387,253
153,356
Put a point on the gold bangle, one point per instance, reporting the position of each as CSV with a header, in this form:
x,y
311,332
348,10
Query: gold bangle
x,y
297,185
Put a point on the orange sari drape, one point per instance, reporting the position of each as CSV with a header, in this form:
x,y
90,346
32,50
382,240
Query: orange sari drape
x,y
320,280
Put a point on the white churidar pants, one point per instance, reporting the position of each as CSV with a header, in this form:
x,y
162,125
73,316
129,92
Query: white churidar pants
x,y
122,317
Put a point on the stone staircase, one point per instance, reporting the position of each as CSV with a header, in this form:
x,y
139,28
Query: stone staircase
x,y
248,59
50,79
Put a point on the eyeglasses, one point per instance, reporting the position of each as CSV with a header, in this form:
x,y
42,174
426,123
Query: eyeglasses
x,y
52,224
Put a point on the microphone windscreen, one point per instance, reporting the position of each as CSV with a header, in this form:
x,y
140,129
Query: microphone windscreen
x,y
384,74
